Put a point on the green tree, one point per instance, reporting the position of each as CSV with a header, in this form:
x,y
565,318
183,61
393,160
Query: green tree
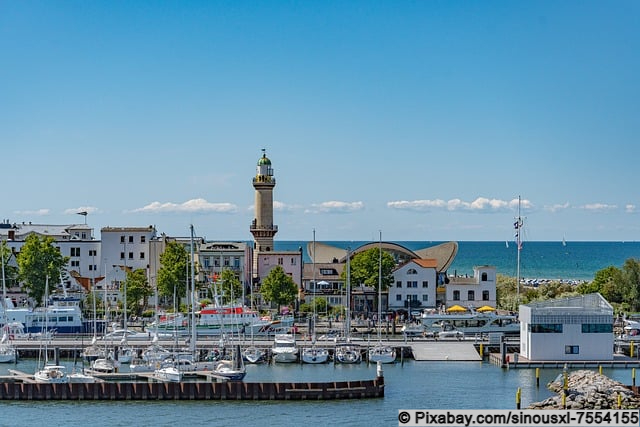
x,y
631,278
278,287
229,287
138,291
37,260
172,275
365,267
10,271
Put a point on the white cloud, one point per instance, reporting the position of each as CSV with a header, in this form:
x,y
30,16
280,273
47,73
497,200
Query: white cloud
x,y
557,207
37,212
193,205
629,208
336,207
480,204
599,207
87,209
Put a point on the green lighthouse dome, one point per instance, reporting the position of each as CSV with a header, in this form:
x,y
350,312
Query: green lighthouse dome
x,y
264,161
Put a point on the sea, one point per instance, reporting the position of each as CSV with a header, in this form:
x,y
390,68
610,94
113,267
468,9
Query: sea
x,y
561,260
408,384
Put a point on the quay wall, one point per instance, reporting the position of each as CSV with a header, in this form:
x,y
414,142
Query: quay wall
x,y
193,390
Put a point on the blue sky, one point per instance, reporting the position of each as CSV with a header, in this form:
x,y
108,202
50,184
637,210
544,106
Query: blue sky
x,y
423,119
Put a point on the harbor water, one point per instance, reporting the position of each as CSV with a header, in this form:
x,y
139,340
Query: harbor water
x,y
409,385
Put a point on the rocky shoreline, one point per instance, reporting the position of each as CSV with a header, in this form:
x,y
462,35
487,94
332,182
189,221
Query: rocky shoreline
x,y
589,390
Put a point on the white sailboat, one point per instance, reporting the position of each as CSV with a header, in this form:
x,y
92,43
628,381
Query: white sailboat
x,y
314,354
8,352
232,369
347,352
49,373
381,352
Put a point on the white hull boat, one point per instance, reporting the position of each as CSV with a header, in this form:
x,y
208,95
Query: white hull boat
x,y
284,349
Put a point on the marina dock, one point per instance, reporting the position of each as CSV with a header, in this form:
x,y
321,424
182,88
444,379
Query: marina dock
x,y
20,386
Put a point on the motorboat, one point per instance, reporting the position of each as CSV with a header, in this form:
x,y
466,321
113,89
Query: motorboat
x,y
254,355
631,331
105,365
348,353
215,319
471,322
413,330
449,332
284,348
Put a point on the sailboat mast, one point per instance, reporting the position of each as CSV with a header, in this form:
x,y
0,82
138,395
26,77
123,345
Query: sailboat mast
x,y
518,226
193,299
379,285
313,320
348,305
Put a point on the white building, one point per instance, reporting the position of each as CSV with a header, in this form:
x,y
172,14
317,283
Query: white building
x,y
414,285
123,249
575,328
475,291
75,241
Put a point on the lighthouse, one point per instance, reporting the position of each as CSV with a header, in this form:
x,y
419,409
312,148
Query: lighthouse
x,y
262,227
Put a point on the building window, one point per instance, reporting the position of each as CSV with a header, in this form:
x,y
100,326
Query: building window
x,y
412,271
425,283
571,349
75,251
293,261
130,255
236,262
226,261
471,295
485,295
266,261
280,261
597,328
121,255
425,298
143,239
456,295
141,255
484,277
93,252
130,239
206,262
84,235
75,263
545,328
398,297
121,239
399,284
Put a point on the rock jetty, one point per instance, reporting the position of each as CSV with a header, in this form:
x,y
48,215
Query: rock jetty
x,y
589,390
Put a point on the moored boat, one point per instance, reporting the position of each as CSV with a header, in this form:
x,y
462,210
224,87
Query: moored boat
x,y
284,348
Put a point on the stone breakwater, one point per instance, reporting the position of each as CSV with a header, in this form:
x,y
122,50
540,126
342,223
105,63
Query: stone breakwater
x,y
589,390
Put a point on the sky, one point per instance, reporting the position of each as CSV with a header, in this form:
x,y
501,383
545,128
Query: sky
x,y
419,120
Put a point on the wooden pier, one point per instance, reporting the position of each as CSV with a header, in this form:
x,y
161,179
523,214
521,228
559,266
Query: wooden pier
x,y
20,386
